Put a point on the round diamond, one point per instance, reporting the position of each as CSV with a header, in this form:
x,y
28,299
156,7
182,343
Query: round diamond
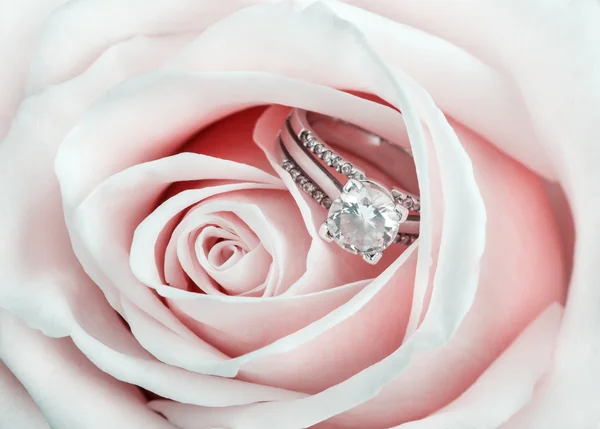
x,y
308,187
336,163
310,142
364,219
318,195
346,168
305,135
287,165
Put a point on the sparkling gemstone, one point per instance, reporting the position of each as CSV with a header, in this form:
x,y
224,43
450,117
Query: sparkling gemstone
x,y
364,219
308,187
318,195
287,165
305,135
358,175
346,168
326,155
336,163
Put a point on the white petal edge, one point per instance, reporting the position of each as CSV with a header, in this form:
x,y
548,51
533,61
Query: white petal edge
x,y
506,386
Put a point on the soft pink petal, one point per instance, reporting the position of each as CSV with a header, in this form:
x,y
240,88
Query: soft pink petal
x,y
221,224
559,85
20,23
236,269
421,43
17,408
505,387
40,281
102,25
249,324
70,391
93,223
506,300
363,339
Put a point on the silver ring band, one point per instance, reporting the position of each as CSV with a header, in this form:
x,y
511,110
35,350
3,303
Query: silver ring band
x,y
364,216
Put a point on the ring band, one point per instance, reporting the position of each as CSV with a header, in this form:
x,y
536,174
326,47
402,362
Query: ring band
x,y
364,216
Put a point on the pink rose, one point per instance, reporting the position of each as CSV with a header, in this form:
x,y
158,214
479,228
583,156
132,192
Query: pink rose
x,y
160,270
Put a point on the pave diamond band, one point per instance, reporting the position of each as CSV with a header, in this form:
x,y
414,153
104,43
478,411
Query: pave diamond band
x,y
305,183
364,217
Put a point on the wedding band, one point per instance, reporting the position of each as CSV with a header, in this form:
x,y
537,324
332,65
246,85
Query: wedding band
x,y
364,216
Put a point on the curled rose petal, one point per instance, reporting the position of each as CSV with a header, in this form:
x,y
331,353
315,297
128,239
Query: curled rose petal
x,y
236,267
157,20
18,407
46,296
501,116
565,118
504,388
57,375
19,25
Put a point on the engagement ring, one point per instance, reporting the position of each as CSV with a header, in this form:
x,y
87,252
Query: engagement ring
x,y
364,216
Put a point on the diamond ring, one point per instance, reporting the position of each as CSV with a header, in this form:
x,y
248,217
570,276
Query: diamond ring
x,y
364,216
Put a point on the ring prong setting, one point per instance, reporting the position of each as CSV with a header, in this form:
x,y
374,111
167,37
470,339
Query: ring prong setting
x,y
397,194
352,184
402,211
324,233
372,258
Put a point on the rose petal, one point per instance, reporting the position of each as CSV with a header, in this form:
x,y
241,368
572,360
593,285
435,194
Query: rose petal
x,y
236,269
502,389
17,408
250,324
187,243
48,276
101,26
174,274
57,376
507,385
94,226
517,296
123,358
565,118
457,78
19,25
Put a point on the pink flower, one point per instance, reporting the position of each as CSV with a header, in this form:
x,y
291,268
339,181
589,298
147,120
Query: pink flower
x,y
160,270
